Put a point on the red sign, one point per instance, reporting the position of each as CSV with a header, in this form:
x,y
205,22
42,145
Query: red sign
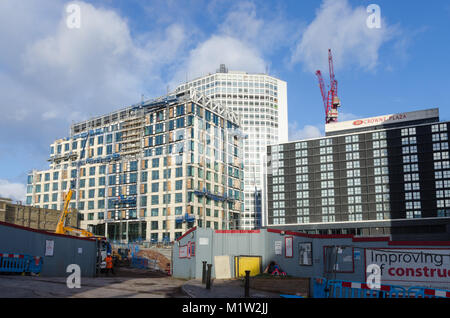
x,y
186,251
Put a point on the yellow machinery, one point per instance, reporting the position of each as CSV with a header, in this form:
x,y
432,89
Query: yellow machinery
x,y
104,248
61,227
121,257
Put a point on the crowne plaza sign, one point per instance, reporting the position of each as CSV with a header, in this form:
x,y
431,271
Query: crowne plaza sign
x,y
382,120
379,120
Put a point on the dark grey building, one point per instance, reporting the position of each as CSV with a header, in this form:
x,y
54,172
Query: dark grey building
x,y
387,175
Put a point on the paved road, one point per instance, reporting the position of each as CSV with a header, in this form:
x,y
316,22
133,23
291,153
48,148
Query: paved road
x,y
223,289
130,283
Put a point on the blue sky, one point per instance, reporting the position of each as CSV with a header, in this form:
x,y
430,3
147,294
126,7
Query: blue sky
x,y
51,76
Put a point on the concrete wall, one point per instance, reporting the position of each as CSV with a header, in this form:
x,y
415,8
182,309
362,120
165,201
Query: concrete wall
x,y
34,217
345,251
21,240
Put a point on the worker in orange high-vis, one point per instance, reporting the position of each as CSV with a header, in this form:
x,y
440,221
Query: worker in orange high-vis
x,y
109,264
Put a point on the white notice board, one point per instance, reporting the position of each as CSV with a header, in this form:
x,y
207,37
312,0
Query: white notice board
x,y
49,247
288,241
203,241
278,247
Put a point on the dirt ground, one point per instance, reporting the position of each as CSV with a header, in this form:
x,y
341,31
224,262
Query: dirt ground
x,y
125,283
137,273
162,261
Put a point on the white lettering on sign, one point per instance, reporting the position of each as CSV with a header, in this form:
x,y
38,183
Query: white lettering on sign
x,y
380,120
420,267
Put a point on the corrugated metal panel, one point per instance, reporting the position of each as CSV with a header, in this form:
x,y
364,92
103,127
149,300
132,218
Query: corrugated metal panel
x,y
66,249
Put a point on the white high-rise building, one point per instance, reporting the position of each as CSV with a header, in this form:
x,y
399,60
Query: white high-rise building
x,y
261,102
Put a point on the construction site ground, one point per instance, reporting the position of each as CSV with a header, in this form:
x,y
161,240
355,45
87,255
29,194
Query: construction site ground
x,y
223,288
126,283
261,286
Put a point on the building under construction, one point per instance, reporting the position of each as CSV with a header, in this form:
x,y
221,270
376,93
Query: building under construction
x,y
150,171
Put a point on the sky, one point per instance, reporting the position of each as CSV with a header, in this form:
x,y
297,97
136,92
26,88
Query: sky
x,y
52,74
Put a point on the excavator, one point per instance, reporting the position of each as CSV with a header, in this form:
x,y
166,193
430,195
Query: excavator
x,y
103,246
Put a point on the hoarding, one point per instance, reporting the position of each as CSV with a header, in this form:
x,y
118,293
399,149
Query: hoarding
x,y
427,267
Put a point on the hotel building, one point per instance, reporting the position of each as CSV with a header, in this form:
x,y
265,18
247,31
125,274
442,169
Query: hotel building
x,y
386,175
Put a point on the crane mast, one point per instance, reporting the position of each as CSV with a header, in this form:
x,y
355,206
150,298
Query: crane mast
x,y
330,99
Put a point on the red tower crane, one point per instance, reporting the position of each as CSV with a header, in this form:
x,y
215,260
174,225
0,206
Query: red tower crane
x,y
330,99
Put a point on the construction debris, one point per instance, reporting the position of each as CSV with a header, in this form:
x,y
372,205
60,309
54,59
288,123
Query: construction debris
x,y
162,262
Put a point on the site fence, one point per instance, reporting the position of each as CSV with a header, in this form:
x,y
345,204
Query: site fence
x,y
142,244
323,288
144,263
20,263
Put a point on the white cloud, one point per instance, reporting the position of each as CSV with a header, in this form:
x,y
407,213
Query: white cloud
x,y
246,22
52,76
243,22
306,132
243,41
11,190
343,29
53,72
21,23
98,67
208,56
50,114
